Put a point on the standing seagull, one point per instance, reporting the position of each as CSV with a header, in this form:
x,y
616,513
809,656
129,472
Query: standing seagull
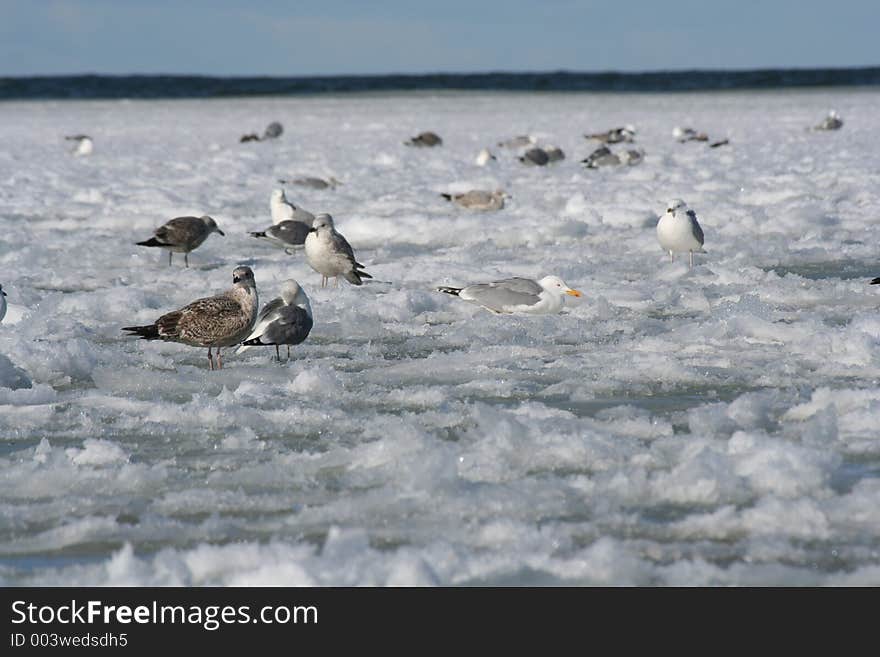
x,y
517,295
284,210
182,235
220,321
330,254
678,230
286,320
287,235
2,303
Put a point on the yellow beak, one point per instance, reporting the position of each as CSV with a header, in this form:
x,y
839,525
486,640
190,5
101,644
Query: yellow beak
x,y
573,293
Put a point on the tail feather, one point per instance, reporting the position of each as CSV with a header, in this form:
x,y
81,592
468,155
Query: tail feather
x,y
151,242
454,291
150,332
875,281
258,234
448,197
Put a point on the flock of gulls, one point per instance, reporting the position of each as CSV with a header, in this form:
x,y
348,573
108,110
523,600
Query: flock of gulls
x,y
234,318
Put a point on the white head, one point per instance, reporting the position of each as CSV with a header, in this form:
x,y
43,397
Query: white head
x,y
85,146
484,157
676,205
212,225
324,221
278,196
293,294
556,286
630,128
833,114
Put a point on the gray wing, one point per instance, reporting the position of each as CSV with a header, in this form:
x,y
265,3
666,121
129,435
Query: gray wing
x,y
314,183
301,215
292,326
269,309
182,231
341,245
695,226
290,232
505,293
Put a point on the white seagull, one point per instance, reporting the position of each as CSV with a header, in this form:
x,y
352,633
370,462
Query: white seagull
x,y
517,295
284,210
285,320
679,231
330,254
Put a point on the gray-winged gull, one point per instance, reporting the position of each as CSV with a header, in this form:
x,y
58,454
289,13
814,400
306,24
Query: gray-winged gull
x,y
518,142
213,322
285,320
84,144
284,210
536,157
517,295
287,235
329,254
182,235
678,231
615,135
478,199
313,182
425,139
830,122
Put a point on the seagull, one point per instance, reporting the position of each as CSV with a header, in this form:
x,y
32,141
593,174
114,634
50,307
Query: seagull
x,y
478,199
285,320
425,139
518,142
273,130
554,153
831,122
219,321
615,135
84,145
601,157
314,183
2,303
286,234
284,210
484,157
678,230
182,235
329,254
535,157
517,295
688,134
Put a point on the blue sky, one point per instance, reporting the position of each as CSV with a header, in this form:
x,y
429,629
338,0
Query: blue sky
x,y
263,37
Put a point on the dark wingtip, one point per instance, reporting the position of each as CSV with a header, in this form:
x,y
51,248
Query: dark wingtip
x,y
876,281
150,242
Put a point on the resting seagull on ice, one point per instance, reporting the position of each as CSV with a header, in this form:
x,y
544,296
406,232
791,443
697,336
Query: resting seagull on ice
x,y
478,199
182,235
330,254
314,183
286,320
517,295
679,231
219,321
84,145
425,139
615,135
831,122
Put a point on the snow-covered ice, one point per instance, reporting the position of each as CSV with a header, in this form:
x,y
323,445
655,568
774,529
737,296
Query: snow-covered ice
x,y
712,426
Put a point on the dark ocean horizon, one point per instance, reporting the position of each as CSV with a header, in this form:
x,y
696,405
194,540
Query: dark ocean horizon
x,y
55,87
